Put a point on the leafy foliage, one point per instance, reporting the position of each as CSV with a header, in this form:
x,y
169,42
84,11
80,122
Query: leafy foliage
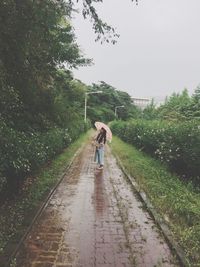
x,y
39,110
104,32
177,107
29,67
22,153
177,145
102,106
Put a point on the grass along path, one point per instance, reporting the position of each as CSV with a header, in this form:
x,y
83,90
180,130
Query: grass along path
x,y
17,214
177,203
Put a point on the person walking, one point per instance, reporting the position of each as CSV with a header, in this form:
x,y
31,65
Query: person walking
x,y
100,143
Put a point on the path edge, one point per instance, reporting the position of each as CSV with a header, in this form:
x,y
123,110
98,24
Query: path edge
x,y
162,224
43,206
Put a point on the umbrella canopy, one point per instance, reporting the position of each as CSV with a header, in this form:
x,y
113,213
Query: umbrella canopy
x,y
100,125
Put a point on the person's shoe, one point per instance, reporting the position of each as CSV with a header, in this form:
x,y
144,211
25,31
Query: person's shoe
x,y
100,167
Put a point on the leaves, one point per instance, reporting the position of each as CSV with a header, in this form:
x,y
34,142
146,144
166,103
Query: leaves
x,y
102,106
177,145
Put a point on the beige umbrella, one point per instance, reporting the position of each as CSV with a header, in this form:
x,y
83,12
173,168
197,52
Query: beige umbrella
x,y
100,125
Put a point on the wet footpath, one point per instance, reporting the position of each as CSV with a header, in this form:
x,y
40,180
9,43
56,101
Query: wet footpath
x,y
94,219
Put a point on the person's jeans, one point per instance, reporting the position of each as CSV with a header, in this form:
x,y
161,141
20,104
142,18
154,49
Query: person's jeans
x,y
99,156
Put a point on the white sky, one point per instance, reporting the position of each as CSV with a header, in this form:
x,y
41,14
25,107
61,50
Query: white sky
x,y
158,51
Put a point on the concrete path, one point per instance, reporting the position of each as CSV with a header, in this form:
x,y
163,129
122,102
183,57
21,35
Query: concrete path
x,y
94,219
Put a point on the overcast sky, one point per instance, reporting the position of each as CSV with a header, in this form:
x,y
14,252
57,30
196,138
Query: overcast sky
x,y
158,51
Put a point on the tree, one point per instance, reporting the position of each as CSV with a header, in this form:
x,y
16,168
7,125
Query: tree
x,y
102,106
103,31
150,113
195,106
68,99
36,40
196,95
176,107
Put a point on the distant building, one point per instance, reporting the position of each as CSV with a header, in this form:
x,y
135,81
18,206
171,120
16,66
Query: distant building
x,y
140,102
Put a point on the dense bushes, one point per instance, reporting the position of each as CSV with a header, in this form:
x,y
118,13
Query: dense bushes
x,y
22,153
178,145
39,98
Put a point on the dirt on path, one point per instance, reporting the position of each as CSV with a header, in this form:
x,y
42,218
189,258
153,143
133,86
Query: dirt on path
x,y
94,219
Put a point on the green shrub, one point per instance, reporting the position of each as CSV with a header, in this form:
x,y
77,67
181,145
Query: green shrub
x,y
22,153
178,145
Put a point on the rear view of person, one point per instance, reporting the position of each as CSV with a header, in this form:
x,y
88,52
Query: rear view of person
x,y
100,143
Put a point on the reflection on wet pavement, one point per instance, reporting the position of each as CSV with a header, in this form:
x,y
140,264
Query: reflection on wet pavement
x,y
94,219
99,194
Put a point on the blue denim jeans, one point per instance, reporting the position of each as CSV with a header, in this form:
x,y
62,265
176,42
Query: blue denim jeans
x,y
99,155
